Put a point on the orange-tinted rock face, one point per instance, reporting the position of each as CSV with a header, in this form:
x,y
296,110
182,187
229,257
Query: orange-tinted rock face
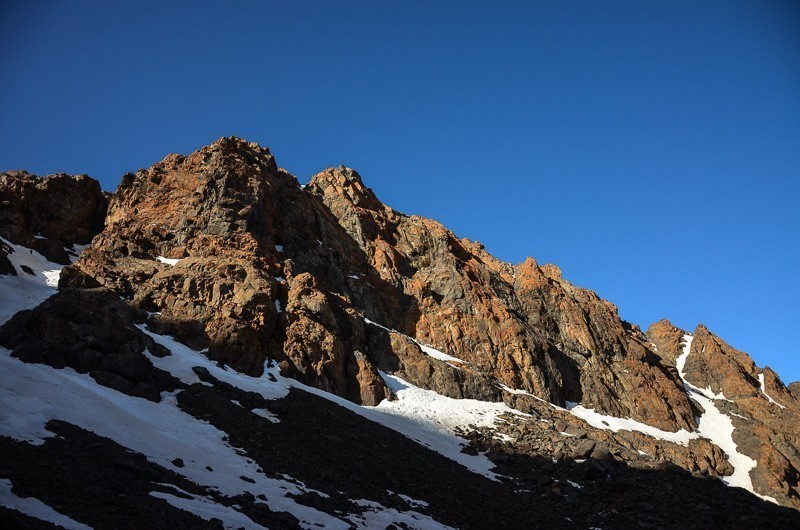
x,y
525,326
245,231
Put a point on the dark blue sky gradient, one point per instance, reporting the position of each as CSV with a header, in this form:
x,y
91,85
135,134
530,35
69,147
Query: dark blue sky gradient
x,y
651,150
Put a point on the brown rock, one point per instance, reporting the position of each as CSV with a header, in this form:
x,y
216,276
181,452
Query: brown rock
x,y
49,213
91,331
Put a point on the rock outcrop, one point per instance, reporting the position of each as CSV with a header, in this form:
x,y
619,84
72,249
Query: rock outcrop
x,y
90,331
50,213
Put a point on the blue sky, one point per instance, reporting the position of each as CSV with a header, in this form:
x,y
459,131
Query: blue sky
x,y
650,149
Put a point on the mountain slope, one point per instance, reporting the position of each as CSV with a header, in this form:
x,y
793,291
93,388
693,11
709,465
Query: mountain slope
x,y
349,330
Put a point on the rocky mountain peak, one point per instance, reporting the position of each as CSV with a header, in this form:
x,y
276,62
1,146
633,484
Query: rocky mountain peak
x,y
667,339
235,147
192,205
346,183
552,271
327,286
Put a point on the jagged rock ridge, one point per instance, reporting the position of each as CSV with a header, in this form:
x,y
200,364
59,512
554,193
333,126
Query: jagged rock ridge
x,y
226,209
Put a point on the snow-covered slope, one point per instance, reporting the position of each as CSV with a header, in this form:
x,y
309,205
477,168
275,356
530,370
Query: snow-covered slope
x,y
35,281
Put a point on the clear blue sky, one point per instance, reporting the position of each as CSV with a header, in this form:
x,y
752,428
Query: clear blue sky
x,y
650,149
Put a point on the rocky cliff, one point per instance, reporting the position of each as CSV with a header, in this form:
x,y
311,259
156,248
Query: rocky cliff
x,y
325,285
251,242
48,214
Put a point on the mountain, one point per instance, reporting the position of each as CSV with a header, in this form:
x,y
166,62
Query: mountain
x,y
216,345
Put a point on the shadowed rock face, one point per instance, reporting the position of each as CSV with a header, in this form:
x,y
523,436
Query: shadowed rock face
x,y
90,331
229,254
49,213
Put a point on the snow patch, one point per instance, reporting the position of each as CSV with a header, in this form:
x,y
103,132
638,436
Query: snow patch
x,y
183,359
612,423
718,427
763,386
519,392
378,516
25,290
207,509
432,419
168,261
35,508
429,351
436,354
414,503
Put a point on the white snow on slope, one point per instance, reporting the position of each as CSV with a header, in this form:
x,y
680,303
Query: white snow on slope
x,y
422,415
604,421
431,419
25,291
718,427
35,508
168,261
431,352
424,419
32,394
520,392
183,359
207,509
416,503
378,516
612,423
763,386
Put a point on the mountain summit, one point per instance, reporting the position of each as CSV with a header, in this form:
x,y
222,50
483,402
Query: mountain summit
x,y
233,348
